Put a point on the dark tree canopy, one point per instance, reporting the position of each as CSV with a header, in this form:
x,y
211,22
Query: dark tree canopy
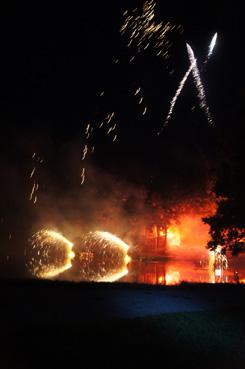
x,y
227,226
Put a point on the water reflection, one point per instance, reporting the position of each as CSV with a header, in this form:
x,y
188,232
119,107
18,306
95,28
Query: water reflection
x,y
172,271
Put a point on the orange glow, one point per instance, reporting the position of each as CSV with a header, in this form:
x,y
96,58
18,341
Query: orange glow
x,y
161,279
189,237
172,278
161,233
180,233
173,236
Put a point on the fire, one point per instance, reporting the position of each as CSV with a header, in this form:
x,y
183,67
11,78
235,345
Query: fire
x,y
189,237
161,233
173,236
161,279
172,278
178,232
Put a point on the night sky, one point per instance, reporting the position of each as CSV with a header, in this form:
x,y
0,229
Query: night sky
x,y
55,63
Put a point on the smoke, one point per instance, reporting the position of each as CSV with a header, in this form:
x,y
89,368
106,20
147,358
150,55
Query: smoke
x,y
102,203
105,201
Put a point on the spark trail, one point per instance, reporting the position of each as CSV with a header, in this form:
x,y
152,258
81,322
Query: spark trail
x,y
174,99
34,177
143,32
198,83
102,257
211,46
50,254
184,79
108,125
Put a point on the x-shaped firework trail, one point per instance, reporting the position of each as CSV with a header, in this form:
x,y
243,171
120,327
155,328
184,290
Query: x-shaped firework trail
x,y
197,79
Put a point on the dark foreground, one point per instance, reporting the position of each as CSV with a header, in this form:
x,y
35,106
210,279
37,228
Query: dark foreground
x,y
46,324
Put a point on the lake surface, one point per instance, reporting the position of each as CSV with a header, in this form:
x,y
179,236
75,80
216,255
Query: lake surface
x,y
171,271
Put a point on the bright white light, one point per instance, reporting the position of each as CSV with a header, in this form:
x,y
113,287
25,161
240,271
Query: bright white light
x,y
198,83
212,45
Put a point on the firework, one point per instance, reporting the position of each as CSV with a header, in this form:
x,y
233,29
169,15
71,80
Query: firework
x,y
102,256
143,32
174,99
34,177
82,176
85,150
198,83
211,46
109,126
138,95
183,81
50,254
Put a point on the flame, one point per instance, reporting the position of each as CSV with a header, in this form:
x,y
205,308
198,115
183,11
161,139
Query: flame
x,y
161,280
172,278
189,237
173,236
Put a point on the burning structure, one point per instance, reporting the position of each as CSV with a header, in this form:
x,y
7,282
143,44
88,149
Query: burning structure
x,y
179,231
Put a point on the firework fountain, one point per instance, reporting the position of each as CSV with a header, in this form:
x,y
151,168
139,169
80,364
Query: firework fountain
x,y
50,254
102,257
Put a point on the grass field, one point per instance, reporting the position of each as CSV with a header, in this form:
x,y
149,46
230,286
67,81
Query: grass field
x,y
206,339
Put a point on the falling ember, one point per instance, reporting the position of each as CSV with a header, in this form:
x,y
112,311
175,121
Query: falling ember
x,y
85,150
32,172
143,32
82,176
198,83
32,191
137,91
50,254
109,125
34,177
102,257
109,117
